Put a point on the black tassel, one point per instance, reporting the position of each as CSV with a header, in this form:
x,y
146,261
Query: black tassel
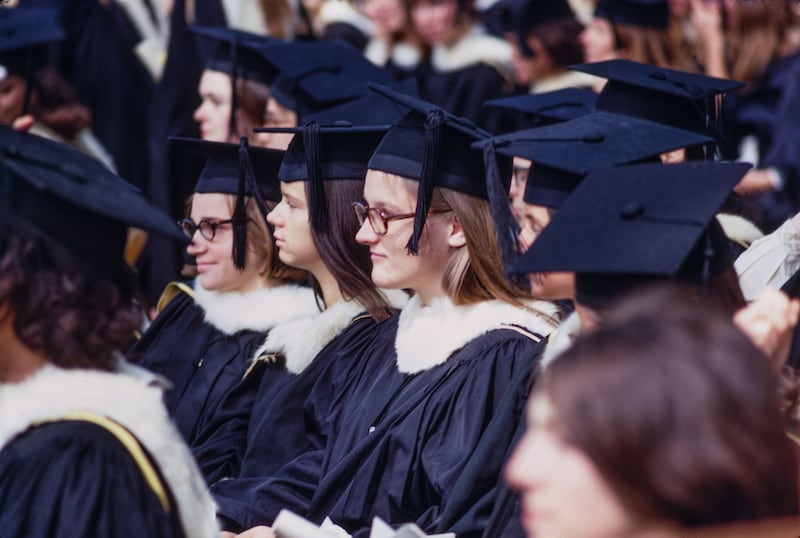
x,y
708,255
506,226
427,180
240,211
316,203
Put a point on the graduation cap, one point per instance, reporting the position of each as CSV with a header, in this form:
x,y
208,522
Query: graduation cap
x,y
564,153
320,153
549,107
648,13
434,147
628,224
317,75
234,55
26,34
240,170
684,100
371,109
73,203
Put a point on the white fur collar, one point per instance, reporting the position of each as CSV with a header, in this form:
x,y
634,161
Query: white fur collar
x,y
739,229
302,339
562,339
474,47
428,335
258,310
53,392
402,54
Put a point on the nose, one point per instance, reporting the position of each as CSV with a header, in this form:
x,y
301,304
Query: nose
x,y
197,245
521,469
273,217
199,112
366,235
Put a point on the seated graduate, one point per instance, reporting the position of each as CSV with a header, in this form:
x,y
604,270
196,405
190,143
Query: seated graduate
x,y
433,375
322,173
660,423
84,450
206,334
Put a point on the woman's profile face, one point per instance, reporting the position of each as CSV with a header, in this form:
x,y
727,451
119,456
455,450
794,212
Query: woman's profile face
x,y
292,234
215,267
436,21
392,265
388,16
12,96
597,40
555,285
213,114
563,493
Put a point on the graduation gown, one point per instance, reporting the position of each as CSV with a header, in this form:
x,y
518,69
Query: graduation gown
x,y
414,414
461,77
75,450
288,420
203,344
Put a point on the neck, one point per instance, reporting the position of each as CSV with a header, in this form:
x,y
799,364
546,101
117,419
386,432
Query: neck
x,y
331,293
428,295
261,283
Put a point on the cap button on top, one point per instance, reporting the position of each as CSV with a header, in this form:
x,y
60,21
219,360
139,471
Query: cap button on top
x,y
631,210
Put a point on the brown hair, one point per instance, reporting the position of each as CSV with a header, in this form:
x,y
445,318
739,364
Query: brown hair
x,y
75,319
560,39
348,261
758,34
645,45
55,104
474,273
252,97
679,413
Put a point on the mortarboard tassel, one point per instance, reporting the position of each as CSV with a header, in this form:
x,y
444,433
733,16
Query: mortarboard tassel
x,y
427,180
317,205
239,213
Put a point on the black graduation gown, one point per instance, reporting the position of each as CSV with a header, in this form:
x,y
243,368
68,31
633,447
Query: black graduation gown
x,y
204,365
288,422
403,440
769,110
74,478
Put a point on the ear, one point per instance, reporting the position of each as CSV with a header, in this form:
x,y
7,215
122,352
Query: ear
x,y
456,237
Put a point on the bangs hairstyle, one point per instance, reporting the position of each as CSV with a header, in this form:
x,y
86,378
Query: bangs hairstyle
x,y
259,240
475,273
74,319
348,261
679,413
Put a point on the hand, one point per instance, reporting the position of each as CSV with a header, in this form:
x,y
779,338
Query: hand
x,y
706,19
769,322
526,237
754,182
258,532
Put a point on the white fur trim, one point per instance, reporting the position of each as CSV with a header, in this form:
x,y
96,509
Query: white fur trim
x,y
258,310
403,54
333,11
473,48
739,229
52,392
428,335
302,339
562,339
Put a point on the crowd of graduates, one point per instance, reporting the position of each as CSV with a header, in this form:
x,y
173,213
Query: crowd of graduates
x,y
494,269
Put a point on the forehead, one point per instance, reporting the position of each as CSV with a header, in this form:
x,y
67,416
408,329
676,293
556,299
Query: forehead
x,y
389,189
216,82
212,204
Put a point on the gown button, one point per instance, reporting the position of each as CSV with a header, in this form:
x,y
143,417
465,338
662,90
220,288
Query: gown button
x,y
371,429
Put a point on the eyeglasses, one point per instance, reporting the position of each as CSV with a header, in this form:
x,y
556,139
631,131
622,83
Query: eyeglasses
x,y
378,218
207,228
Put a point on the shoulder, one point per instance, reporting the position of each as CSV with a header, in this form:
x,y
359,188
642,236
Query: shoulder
x,y
474,48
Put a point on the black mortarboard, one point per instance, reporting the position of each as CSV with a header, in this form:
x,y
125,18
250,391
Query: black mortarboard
x,y
240,170
563,153
234,55
26,34
317,75
684,100
549,107
434,147
80,208
371,109
649,13
629,223
324,153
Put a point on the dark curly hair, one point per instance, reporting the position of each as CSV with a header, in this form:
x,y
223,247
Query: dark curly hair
x,y
74,319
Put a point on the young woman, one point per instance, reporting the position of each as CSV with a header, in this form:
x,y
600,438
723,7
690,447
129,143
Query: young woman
x,y
433,376
467,66
627,467
84,450
314,230
206,335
